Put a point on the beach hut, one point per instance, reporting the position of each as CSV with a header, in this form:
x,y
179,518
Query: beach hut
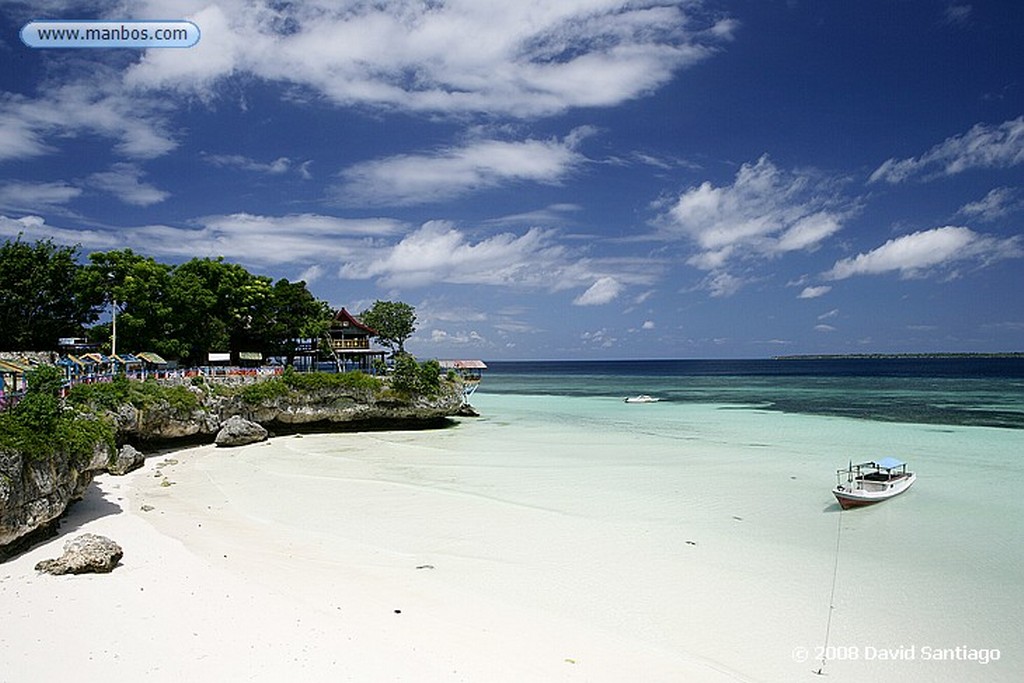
x,y
350,342
12,376
471,372
152,362
127,363
97,364
74,367
250,359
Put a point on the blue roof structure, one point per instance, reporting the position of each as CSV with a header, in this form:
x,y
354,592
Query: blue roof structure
x,y
889,463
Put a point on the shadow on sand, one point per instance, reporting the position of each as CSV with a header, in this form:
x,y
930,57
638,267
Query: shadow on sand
x,y
95,504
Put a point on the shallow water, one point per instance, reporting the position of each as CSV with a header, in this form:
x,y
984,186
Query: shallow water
x,y
937,568
978,392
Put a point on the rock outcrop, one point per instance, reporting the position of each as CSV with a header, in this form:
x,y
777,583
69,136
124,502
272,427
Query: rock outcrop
x,y
35,493
327,407
85,554
237,431
128,458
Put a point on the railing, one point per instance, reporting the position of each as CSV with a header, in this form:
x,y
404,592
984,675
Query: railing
x,y
10,399
343,344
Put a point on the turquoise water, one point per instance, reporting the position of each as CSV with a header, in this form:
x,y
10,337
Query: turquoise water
x,y
731,473
977,392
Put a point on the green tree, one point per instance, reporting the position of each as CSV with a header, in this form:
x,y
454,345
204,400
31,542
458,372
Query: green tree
x,y
394,322
294,313
202,305
138,287
42,297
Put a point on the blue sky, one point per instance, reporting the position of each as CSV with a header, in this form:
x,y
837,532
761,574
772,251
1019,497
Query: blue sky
x,y
586,178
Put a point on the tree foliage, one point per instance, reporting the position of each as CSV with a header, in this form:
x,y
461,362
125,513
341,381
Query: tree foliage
x,y
394,322
41,295
40,427
410,377
202,305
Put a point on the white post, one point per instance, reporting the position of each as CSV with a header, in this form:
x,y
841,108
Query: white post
x,y
113,314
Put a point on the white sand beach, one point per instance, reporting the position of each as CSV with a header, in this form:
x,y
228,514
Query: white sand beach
x,y
210,589
492,552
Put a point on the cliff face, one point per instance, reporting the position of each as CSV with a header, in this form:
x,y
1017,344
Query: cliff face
x,y
34,494
311,408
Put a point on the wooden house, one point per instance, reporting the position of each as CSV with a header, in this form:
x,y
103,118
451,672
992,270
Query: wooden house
x,y
127,363
12,376
350,342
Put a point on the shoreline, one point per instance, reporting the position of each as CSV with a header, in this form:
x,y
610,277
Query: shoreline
x,y
204,590
567,540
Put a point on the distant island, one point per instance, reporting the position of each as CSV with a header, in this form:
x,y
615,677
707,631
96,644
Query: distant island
x,y
897,356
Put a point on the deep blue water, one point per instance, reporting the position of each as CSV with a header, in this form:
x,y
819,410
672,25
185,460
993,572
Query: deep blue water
x,y
985,392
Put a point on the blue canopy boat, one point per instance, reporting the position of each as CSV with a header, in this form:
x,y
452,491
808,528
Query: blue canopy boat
x,y
872,482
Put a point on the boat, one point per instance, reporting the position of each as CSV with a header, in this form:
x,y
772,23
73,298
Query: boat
x,y
642,398
872,482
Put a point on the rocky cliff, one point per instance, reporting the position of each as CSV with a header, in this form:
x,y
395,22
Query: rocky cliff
x,y
312,409
34,493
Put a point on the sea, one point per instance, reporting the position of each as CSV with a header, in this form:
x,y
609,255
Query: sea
x,y
738,457
965,391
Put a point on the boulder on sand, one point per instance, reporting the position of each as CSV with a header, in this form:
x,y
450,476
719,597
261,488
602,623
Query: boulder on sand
x,y
126,460
237,431
88,553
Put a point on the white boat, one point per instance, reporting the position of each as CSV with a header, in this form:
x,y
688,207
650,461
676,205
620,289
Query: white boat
x,y
872,482
642,398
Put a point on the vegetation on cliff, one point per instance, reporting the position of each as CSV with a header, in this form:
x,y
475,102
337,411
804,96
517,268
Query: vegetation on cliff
x,y
41,426
109,396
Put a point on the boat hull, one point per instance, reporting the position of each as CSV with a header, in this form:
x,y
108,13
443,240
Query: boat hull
x,y
853,498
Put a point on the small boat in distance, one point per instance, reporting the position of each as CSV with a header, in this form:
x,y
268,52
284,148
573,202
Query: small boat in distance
x,y
872,482
642,398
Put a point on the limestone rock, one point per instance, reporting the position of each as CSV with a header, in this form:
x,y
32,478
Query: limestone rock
x,y
237,431
88,553
126,460
468,411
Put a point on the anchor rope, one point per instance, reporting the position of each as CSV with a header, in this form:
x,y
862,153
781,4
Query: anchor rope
x,y
832,595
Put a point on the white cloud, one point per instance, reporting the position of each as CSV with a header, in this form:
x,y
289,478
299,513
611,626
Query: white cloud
x,y
95,106
492,56
814,292
648,325
124,181
438,252
983,146
722,284
460,338
957,14
34,196
765,213
997,204
311,274
824,328
600,338
919,254
452,172
603,291
829,314
254,239
35,228
278,166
